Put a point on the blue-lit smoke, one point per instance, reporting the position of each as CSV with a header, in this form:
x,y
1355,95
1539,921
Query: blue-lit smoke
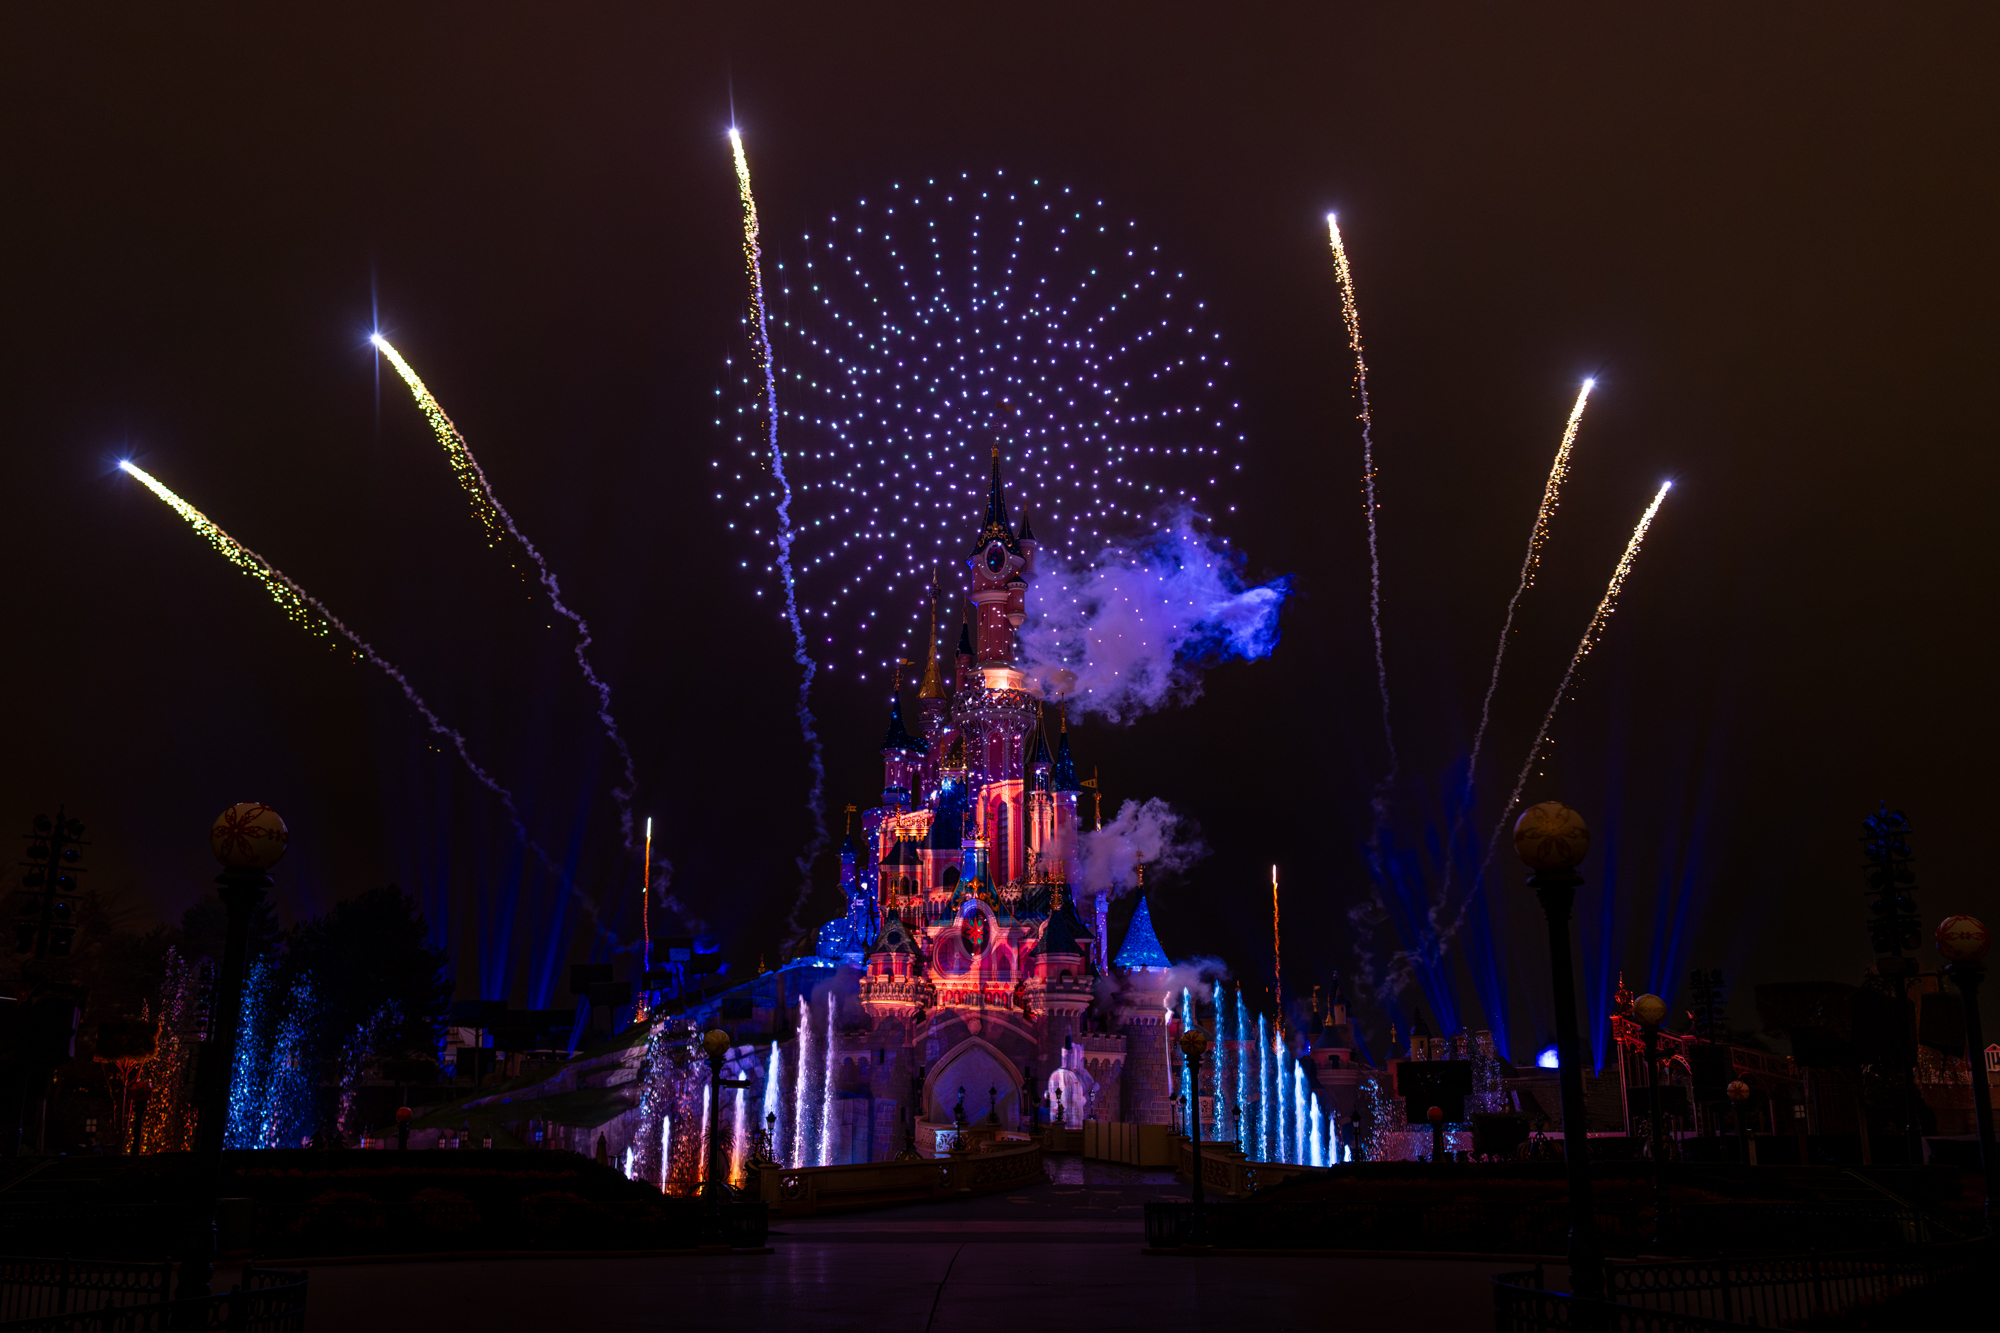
x,y
1131,629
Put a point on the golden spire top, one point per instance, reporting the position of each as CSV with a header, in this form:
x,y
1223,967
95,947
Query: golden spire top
x,y
933,686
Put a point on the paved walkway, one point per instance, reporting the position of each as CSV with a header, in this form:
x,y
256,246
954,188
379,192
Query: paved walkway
x,y
1068,1251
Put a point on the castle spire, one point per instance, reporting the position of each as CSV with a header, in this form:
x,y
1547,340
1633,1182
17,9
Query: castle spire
x,y
932,687
996,508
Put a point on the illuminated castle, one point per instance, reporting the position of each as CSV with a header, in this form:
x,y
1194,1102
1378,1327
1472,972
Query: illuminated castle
x,y
978,970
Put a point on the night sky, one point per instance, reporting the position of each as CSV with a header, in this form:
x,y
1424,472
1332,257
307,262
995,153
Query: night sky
x,y
1766,232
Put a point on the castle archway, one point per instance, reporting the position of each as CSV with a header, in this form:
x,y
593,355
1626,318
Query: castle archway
x,y
977,1066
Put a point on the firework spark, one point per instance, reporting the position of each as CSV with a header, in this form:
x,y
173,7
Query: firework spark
x,y
493,516
303,609
753,261
1591,633
1351,313
1530,565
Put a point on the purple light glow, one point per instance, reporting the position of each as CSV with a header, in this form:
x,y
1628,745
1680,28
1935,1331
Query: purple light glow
x,y
916,331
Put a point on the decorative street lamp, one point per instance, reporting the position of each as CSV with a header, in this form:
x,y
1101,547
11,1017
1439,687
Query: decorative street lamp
x,y
1963,941
248,839
715,1044
1739,1093
1651,1011
1551,840
1194,1045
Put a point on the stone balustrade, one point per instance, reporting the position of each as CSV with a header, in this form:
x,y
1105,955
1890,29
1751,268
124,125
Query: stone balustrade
x,y
803,1191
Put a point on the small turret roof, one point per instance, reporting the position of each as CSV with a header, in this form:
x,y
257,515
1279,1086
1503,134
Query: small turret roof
x,y
902,853
1064,777
964,638
895,938
898,738
1141,947
847,848
1058,937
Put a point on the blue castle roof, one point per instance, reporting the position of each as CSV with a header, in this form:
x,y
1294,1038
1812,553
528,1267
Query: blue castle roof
x,y
1142,946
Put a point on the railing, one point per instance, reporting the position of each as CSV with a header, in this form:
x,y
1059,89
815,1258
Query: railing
x,y
800,1191
31,1287
265,1301
1784,1291
346,1223
1538,1226
360,1225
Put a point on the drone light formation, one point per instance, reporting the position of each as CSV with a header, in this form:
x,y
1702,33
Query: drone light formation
x,y
753,262
493,516
1351,314
927,324
302,608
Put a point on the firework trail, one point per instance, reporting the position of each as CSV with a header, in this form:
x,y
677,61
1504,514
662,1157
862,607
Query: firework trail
x,y
1530,564
753,260
1372,911
1351,313
1591,633
307,611
493,516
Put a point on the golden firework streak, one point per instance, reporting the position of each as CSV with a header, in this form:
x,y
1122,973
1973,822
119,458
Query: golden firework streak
x,y
1598,620
302,608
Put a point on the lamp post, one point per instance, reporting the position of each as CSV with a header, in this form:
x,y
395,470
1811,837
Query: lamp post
x,y
715,1045
1650,1011
1551,840
1963,941
1194,1044
248,839
1739,1093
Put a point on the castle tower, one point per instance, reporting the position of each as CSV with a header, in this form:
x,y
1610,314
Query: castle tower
x,y
999,588
1145,1017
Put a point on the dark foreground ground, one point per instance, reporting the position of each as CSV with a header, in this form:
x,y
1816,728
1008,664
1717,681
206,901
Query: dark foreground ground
x,y
1065,1254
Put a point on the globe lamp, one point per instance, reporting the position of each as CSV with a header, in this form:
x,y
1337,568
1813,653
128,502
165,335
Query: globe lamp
x,y
1962,939
1551,836
1649,1010
248,836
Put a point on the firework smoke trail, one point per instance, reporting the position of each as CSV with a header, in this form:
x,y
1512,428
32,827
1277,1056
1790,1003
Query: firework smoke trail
x,y
1591,633
1351,313
1530,564
303,609
753,259
493,516
1373,911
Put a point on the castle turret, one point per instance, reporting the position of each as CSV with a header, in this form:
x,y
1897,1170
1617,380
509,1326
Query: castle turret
x,y
902,759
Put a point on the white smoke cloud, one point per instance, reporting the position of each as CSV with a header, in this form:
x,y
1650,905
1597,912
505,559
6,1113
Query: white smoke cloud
x,y
1132,631
1153,832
